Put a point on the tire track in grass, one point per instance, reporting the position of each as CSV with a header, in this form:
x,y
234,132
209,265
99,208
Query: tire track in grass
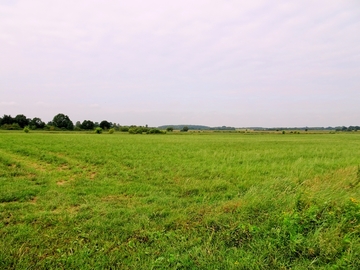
x,y
25,161
23,176
19,177
56,166
76,166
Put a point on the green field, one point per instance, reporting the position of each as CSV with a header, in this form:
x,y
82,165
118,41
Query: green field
x,y
179,201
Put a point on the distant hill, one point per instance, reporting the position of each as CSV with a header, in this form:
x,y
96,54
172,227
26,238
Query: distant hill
x,y
301,128
201,127
196,127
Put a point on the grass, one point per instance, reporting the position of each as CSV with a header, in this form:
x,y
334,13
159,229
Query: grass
x,y
179,201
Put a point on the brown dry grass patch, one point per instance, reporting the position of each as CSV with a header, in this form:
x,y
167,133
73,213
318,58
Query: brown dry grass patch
x,y
338,180
231,207
33,201
61,182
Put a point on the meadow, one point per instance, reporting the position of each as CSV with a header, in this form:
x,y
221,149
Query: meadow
x,y
179,201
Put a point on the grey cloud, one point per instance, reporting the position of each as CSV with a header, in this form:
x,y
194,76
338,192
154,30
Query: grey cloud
x,y
184,58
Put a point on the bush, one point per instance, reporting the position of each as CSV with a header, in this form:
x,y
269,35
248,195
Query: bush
x,y
155,131
124,129
14,126
26,129
111,131
135,130
98,130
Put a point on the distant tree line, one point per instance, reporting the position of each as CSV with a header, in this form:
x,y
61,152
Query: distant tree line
x,y
341,128
350,128
196,127
20,121
63,122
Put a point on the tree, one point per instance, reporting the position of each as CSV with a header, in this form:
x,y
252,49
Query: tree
x,y
7,120
105,124
21,120
87,124
169,129
62,121
37,123
185,129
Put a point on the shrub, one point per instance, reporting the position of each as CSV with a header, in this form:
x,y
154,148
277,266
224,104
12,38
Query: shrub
x,y
124,129
26,129
111,131
14,126
98,130
154,131
135,130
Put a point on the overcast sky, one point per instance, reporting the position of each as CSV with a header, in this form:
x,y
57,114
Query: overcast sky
x,y
235,63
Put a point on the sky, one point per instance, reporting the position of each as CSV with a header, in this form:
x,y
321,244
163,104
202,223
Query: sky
x,y
235,63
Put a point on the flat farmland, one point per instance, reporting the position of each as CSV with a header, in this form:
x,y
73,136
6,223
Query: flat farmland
x,y
179,201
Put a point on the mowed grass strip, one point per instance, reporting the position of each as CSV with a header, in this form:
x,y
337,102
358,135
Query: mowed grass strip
x,y
194,201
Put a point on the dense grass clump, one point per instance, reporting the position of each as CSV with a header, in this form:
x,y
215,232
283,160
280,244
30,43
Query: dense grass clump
x,y
179,201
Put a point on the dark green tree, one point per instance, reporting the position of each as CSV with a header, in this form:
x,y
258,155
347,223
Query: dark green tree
x,y
7,120
105,124
21,120
63,121
169,129
185,129
37,123
87,124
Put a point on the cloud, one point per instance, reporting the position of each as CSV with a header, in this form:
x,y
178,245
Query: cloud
x,y
179,57
8,103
